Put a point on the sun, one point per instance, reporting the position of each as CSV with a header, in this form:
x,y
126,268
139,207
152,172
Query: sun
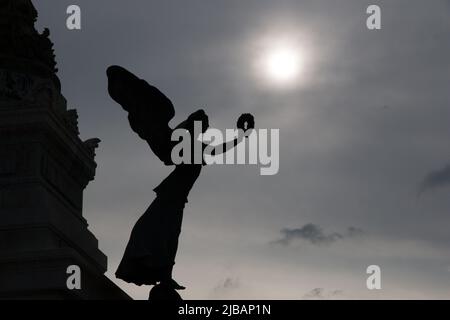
x,y
282,58
283,64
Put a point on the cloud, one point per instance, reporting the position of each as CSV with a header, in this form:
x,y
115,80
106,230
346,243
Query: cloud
x,y
436,179
315,235
228,288
354,232
227,284
321,294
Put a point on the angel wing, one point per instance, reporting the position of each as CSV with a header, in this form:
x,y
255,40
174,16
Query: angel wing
x,y
149,110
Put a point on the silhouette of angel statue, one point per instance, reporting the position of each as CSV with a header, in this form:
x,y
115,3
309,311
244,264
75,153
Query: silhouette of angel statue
x,y
149,257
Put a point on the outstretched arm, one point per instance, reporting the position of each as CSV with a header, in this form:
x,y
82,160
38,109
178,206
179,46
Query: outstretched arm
x,y
245,124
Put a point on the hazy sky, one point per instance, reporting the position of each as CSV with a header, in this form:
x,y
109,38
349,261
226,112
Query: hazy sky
x,y
364,132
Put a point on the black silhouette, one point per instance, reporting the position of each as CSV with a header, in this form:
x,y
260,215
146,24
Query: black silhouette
x,y
164,293
150,254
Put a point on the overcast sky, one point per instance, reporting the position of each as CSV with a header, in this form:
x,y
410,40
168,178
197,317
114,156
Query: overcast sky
x,y
364,141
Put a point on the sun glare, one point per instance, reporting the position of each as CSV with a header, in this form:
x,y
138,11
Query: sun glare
x,y
283,64
282,59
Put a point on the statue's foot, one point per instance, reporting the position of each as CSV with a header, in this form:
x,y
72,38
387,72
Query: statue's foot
x,y
173,284
164,293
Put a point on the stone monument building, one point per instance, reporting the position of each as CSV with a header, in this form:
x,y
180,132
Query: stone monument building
x,y
44,168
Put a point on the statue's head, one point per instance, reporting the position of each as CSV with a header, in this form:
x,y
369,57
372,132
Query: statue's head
x,y
198,116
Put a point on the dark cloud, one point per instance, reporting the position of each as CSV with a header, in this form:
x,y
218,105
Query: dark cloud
x,y
314,234
322,294
436,179
354,232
